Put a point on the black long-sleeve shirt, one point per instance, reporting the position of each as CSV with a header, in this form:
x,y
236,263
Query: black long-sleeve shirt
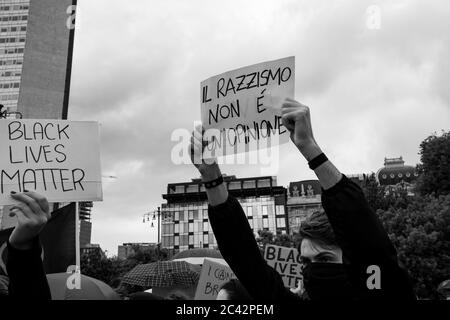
x,y
358,232
27,279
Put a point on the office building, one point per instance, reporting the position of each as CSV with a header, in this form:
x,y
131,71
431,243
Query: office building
x,y
36,44
185,224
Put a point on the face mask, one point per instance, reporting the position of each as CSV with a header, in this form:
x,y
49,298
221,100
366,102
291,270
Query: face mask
x,y
326,281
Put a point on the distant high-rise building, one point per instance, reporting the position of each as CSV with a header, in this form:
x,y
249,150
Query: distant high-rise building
x,y
36,45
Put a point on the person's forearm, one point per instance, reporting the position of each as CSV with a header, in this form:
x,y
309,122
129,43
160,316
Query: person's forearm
x,y
327,173
216,195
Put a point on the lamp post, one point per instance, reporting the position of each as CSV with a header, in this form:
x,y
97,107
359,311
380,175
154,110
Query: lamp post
x,y
152,215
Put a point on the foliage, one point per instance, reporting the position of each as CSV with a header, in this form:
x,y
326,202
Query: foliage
x,y
421,234
434,169
110,270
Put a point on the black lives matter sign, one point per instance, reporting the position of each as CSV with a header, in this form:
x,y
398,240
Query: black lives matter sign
x,y
59,159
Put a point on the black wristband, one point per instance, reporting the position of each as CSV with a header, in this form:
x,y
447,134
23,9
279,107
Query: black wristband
x,y
214,183
317,161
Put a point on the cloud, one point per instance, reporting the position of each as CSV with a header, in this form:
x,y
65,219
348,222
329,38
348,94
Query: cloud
x,y
137,69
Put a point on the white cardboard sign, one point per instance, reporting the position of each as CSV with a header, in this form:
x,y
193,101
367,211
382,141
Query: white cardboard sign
x,y
57,158
244,106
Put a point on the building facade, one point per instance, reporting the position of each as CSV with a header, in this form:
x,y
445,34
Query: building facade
x,y
36,45
13,30
304,198
396,175
185,224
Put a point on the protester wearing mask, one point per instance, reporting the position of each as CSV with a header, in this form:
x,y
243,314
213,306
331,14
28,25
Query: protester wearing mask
x,y
338,246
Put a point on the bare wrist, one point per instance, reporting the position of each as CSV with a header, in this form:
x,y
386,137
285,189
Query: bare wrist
x,y
310,151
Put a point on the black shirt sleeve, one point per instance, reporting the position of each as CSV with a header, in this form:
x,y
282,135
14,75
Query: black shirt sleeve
x,y
238,246
364,242
27,279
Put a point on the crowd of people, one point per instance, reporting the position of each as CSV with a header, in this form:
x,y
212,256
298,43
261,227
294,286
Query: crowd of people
x,y
338,247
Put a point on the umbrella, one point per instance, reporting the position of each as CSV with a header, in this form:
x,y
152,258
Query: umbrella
x,y
199,252
163,274
90,288
200,260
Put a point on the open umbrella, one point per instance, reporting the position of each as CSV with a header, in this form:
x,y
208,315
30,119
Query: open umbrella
x,y
90,288
163,274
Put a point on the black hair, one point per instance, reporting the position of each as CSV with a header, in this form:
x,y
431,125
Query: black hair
x,y
317,227
235,290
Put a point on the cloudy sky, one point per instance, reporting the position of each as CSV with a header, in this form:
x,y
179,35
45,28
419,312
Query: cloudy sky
x,y
373,92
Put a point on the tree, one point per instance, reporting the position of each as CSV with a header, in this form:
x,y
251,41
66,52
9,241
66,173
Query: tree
x,y
421,234
434,169
378,197
111,270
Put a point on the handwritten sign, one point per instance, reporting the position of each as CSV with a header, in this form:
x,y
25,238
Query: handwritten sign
x,y
286,261
244,107
212,277
59,159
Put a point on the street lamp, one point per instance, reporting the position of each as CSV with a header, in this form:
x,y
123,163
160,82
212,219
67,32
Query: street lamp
x,y
153,215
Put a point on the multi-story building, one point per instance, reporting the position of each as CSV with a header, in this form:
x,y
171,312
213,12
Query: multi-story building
x,y
396,174
304,198
36,45
185,223
127,249
13,29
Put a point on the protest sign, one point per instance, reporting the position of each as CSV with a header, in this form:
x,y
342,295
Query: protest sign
x,y
244,107
212,277
56,158
286,261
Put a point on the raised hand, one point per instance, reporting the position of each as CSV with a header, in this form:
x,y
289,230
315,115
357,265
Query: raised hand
x,y
32,214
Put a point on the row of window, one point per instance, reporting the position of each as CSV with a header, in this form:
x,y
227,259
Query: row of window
x,y
9,85
195,240
198,214
14,7
9,97
185,227
400,175
12,40
13,29
14,18
11,62
199,227
10,74
12,50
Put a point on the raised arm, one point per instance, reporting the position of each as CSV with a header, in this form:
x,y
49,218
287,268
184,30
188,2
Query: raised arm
x,y
358,231
25,269
234,236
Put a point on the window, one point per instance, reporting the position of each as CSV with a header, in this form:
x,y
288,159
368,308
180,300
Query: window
x,y
264,210
177,215
191,214
280,209
191,227
249,211
281,223
205,226
177,228
196,216
205,239
191,239
265,223
177,240
205,213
